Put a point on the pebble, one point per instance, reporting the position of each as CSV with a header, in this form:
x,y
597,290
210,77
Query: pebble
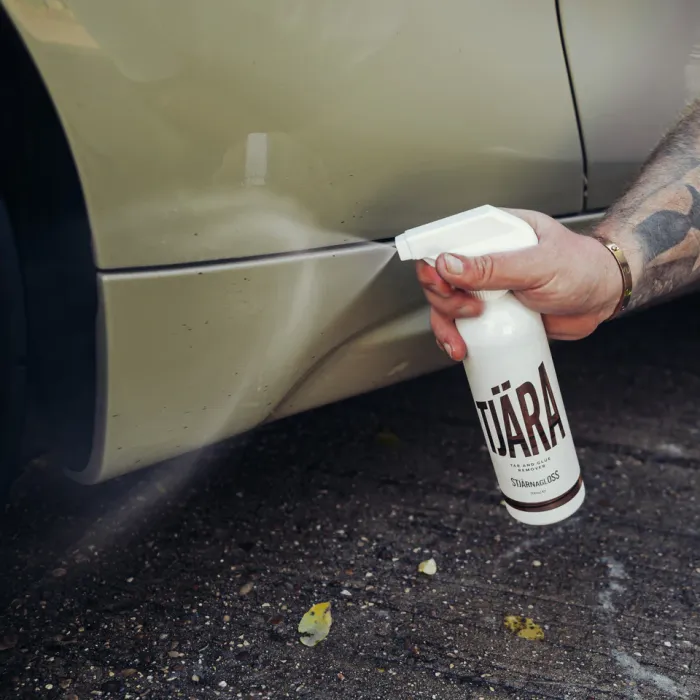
x,y
8,641
58,573
537,562
246,588
111,686
222,684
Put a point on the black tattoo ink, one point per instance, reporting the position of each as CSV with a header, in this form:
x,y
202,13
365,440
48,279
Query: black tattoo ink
x,y
633,200
666,229
667,241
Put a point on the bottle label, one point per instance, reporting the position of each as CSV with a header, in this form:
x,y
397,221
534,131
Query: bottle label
x,y
527,433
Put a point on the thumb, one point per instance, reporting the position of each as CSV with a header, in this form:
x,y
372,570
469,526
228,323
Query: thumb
x,y
517,270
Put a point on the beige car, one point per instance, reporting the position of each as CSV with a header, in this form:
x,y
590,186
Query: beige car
x,y
197,196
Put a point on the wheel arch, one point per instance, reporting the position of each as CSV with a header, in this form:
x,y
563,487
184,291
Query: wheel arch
x,y
45,206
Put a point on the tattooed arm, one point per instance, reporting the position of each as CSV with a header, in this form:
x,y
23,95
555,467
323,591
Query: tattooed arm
x,y
573,280
657,223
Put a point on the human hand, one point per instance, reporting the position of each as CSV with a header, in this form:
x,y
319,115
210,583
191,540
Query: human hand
x,y
573,280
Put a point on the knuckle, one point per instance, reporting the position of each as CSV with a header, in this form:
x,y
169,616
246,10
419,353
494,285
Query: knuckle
x,y
438,291
483,267
423,275
466,311
436,303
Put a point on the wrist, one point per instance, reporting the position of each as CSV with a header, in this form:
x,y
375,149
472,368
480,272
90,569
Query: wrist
x,y
626,242
624,277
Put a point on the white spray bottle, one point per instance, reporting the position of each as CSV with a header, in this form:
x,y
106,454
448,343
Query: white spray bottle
x,y
510,371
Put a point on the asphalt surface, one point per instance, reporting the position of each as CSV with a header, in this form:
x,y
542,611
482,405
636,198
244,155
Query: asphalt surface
x,y
189,581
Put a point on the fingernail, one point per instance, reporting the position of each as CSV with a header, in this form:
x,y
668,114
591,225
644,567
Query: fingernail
x,y
454,265
448,349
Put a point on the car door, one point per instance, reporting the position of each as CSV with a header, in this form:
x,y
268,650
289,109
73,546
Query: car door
x,y
230,150
189,120
634,65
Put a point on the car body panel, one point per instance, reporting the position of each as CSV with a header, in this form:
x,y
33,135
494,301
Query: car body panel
x,y
239,159
365,118
192,356
634,65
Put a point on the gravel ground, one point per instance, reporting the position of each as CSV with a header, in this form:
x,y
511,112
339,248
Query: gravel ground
x,y
189,580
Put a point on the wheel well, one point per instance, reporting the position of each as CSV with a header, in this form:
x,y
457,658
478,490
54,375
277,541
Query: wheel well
x,y
43,197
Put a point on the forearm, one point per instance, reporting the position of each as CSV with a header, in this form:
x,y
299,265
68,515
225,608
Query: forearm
x,y
657,222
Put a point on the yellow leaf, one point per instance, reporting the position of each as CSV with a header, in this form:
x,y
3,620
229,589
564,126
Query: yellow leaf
x,y
428,567
316,624
524,627
531,631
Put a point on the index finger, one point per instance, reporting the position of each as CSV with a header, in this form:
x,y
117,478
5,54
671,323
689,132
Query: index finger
x,y
429,278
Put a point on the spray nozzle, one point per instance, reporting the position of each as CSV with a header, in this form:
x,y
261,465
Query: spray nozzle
x,y
474,232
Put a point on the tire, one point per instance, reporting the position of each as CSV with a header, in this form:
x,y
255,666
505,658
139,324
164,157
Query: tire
x,y
13,346
48,278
